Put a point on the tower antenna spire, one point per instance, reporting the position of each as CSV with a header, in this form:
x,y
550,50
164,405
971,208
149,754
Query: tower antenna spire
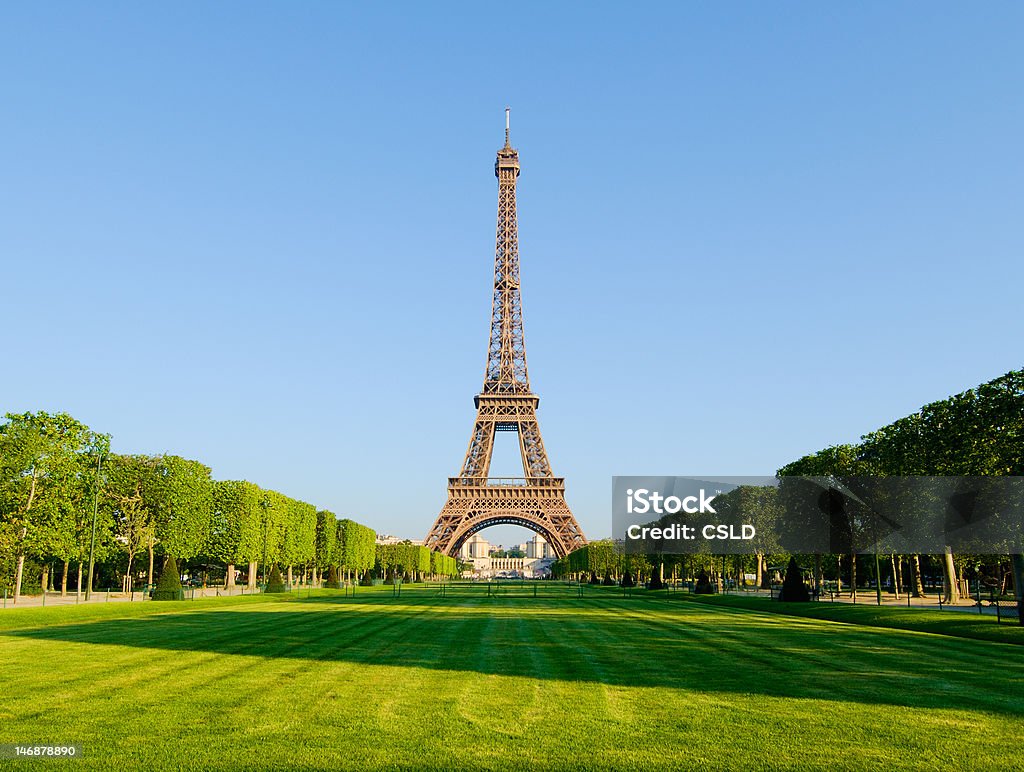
x,y
507,111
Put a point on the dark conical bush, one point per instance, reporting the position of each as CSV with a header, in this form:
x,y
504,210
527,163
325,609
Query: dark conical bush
x,y
332,579
656,583
793,587
627,580
593,578
168,586
274,582
608,581
367,580
704,585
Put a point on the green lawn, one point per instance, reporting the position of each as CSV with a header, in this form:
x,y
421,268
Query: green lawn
x,y
961,623
507,682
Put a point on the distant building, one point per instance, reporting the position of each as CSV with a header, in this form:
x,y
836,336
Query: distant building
x,y
538,549
387,538
475,546
479,553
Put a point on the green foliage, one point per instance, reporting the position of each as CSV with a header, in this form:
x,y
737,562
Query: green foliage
x,y
977,432
236,534
793,588
602,557
443,565
332,579
47,484
275,583
656,582
329,544
168,586
358,545
132,517
298,545
181,492
704,585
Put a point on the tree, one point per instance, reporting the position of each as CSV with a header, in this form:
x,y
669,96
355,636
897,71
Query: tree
x,y
133,520
328,544
298,543
44,483
358,546
793,588
332,579
275,583
236,534
181,492
168,586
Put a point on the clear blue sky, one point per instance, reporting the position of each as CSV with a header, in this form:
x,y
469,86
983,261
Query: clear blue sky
x,y
261,234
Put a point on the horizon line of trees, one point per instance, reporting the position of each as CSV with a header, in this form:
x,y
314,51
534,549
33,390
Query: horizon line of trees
x,y
978,432
64,494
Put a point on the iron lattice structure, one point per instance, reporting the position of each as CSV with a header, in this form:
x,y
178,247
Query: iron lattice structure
x,y
506,404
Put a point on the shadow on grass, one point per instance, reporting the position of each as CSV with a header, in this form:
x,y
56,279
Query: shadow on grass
x,y
643,644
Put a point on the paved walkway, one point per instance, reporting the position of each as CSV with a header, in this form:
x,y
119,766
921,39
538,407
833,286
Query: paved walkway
x,y
115,596
867,597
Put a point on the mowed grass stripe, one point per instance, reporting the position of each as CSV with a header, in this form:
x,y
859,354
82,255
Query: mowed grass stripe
x,y
843,659
500,683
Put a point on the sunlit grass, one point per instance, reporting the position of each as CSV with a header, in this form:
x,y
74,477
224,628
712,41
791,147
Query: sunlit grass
x,y
472,682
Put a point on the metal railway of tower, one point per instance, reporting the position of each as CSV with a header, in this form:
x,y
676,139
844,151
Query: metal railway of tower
x,y
506,404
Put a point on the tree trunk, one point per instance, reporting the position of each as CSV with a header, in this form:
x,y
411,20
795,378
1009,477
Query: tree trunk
x,y
129,584
149,573
17,575
839,573
290,581
78,587
45,580
853,576
251,579
915,567
64,579
229,577
24,533
759,560
952,592
817,574
896,579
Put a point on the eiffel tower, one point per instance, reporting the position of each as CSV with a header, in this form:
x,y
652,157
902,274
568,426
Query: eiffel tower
x,y
506,404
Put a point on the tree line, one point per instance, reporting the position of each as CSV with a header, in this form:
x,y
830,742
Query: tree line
x,y
64,496
979,432
412,562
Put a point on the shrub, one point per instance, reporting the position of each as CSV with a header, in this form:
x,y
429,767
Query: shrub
x,y
793,588
593,578
366,580
627,580
656,582
704,585
168,586
332,579
608,581
274,582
